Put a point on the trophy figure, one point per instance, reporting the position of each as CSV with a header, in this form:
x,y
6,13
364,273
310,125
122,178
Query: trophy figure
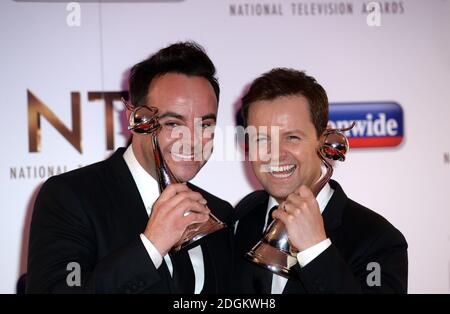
x,y
274,252
144,120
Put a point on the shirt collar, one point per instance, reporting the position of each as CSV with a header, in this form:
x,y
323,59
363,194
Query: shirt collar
x,y
146,184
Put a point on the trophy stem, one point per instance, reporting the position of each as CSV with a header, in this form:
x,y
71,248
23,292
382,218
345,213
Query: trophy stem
x,y
163,173
318,186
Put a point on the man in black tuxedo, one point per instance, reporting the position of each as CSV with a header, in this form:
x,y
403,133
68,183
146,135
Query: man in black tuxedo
x,y
104,228
343,246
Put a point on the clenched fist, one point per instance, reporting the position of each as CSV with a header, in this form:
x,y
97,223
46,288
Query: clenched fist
x,y
176,208
301,215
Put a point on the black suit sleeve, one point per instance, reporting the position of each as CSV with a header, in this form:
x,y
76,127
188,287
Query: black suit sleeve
x,y
330,273
62,233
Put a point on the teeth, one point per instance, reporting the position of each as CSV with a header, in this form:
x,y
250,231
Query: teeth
x,y
280,171
184,157
281,168
279,175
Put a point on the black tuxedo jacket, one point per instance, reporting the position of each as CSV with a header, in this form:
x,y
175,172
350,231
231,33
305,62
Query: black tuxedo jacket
x,y
93,216
359,236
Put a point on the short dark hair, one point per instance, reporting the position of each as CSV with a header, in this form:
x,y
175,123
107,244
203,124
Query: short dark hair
x,y
188,58
281,82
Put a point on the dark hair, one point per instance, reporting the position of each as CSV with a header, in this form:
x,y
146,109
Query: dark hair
x,y
187,58
281,82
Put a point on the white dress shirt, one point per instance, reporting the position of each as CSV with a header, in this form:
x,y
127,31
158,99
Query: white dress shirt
x,y
149,191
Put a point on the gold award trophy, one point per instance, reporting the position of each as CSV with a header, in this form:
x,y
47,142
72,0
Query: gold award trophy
x,y
274,252
144,120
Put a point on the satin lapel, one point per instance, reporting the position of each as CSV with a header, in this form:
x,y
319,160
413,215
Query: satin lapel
x,y
124,194
332,215
251,232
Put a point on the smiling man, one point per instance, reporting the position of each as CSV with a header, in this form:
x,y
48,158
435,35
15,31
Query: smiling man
x,y
343,247
109,219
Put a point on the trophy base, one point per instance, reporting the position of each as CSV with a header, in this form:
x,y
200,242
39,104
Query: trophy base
x,y
272,259
197,231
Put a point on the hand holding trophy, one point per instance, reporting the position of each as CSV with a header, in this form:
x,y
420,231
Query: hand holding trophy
x,y
144,120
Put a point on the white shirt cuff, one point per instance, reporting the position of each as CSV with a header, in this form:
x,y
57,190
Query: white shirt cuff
x,y
152,251
306,256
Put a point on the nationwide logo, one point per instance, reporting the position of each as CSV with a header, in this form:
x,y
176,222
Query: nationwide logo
x,y
378,124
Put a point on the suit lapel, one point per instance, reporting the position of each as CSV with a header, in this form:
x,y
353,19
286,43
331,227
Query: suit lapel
x,y
250,233
124,196
332,215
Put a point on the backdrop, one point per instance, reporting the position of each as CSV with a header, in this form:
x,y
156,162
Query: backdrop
x,y
385,65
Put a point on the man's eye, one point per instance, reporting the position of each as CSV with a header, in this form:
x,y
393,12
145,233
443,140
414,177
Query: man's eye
x,y
294,138
261,139
207,125
170,124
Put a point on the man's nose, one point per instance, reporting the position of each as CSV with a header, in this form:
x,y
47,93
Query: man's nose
x,y
278,153
195,129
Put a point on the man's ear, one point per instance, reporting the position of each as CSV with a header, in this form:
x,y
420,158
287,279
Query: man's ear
x,y
128,108
321,138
